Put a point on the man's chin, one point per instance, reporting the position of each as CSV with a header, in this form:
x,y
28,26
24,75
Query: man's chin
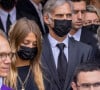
x,y
78,27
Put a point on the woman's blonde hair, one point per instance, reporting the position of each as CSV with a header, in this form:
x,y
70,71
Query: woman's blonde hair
x,y
17,34
93,9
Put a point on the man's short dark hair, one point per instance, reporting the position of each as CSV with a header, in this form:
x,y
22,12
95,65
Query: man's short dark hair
x,y
85,67
77,0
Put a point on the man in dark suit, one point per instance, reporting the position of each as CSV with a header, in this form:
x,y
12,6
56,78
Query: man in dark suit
x,y
5,60
8,14
83,34
78,15
32,9
58,15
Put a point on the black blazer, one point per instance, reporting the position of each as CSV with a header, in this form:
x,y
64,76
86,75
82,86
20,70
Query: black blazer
x,y
27,9
77,53
89,38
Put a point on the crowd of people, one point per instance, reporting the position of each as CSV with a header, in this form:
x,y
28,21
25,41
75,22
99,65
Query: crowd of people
x,y
49,45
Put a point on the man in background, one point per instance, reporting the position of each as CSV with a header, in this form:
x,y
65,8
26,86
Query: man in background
x,y
78,19
87,77
8,14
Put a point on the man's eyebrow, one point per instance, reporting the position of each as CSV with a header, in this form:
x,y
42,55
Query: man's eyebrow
x,y
63,14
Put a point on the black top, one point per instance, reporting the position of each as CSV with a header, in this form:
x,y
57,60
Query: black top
x,y
30,84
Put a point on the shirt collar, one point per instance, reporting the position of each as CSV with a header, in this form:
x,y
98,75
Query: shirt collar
x,y
54,42
77,35
13,12
4,14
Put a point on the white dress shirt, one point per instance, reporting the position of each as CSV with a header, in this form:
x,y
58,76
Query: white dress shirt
x,y
55,49
77,35
0,83
4,14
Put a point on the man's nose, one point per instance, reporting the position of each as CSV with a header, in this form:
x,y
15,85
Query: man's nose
x,y
79,15
8,60
91,88
65,17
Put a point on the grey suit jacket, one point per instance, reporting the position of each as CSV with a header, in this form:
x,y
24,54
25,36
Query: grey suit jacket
x,y
77,53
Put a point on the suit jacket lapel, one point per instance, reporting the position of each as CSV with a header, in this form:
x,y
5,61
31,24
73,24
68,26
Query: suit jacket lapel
x,y
89,38
72,54
50,61
31,9
83,37
18,15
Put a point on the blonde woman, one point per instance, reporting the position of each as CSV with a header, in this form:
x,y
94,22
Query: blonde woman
x,y
92,19
25,41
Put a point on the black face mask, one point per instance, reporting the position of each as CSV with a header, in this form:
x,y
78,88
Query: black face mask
x,y
7,4
93,28
62,27
27,53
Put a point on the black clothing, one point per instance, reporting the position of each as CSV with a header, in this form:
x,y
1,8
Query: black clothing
x,y
30,84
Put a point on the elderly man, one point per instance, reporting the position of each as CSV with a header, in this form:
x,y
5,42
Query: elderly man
x,y
5,59
61,54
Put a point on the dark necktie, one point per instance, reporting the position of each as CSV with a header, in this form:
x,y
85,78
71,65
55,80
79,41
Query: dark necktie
x,y
8,23
62,64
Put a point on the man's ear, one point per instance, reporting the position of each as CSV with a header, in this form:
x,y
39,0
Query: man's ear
x,y
46,19
73,85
